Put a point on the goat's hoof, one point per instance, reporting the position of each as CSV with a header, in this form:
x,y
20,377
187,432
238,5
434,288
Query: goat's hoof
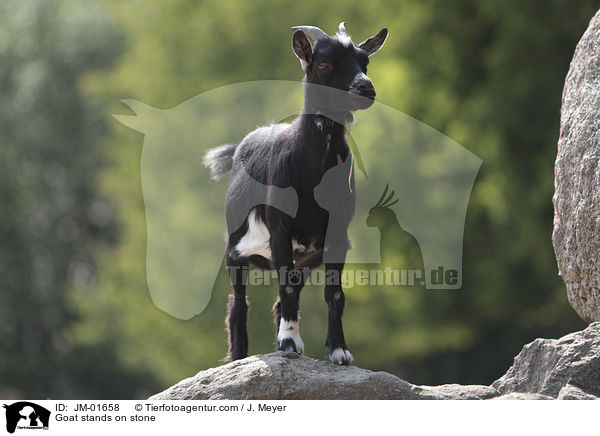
x,y
289,344
288,338
341,356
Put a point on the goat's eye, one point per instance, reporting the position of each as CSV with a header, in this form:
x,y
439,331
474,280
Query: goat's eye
x,y
322,66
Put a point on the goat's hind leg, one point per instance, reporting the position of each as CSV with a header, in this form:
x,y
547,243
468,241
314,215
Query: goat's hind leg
x,y
237,308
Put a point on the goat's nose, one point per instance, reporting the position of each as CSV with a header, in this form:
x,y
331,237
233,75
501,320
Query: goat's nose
x,y
364,85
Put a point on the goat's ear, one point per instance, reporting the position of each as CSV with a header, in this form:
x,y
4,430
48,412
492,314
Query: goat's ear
x,y
302,48
374,43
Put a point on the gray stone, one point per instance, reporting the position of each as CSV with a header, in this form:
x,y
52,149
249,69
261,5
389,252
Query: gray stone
x,y
546,366
570,392
576,235
522,396
289,376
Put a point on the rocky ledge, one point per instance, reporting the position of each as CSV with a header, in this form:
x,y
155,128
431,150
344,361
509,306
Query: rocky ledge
x,y
565,368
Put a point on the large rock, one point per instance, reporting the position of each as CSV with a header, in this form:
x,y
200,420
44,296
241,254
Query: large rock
x,y
576,235
289,376
565,368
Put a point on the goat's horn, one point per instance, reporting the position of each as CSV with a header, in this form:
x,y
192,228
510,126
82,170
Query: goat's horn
x,y
382,195
312,32
342,28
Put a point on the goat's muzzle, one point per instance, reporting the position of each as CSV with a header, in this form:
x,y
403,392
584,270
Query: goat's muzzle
x,y
361,100
362,92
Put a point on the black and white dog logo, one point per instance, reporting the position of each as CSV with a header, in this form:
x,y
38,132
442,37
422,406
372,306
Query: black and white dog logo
x,y
26,415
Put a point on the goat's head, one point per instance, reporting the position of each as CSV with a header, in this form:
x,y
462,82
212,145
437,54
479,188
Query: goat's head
x,y
336,62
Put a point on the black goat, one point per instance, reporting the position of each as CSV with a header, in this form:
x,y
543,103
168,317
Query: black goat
x,y
291,195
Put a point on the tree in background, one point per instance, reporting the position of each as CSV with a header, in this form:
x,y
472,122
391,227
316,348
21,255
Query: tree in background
x,y
490,75
52,217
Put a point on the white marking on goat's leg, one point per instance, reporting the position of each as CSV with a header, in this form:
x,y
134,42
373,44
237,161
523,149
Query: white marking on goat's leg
x,y
290,330
339,356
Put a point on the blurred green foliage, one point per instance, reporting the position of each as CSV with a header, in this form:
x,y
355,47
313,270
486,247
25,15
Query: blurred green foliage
x,y
76,319
53,213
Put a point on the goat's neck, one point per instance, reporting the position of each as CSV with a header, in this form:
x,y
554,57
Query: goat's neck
x,y
324,133
324,139
334,118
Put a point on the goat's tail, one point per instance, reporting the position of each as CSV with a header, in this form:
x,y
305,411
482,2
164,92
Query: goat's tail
x,y
219,160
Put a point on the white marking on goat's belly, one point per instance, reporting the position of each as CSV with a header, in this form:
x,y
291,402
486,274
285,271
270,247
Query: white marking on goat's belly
x,y
290,330
256,239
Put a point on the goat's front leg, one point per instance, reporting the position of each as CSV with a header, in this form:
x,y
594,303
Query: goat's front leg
x,y
334,296
287,305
